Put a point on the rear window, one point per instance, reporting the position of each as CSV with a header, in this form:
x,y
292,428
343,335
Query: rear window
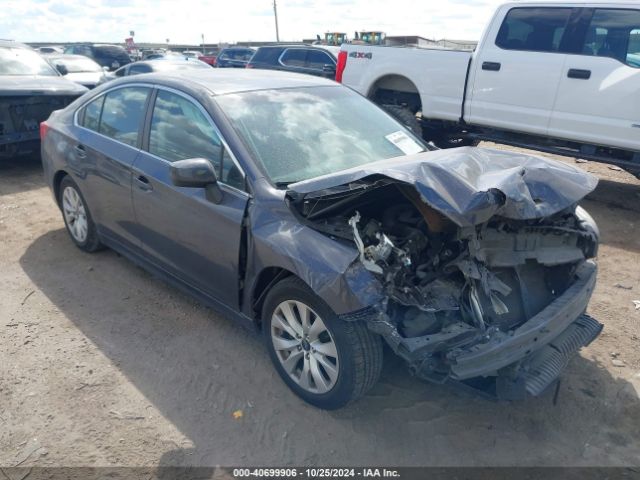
x,y
122,114
614,33
24,61
91,114
533,29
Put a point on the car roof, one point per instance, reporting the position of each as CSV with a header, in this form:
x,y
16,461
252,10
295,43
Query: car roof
x,y
12,44
224,81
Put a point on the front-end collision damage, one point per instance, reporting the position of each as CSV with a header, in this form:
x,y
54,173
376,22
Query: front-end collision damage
x,y
480,261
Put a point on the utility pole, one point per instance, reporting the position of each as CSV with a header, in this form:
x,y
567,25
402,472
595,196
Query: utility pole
x,y
203,43
275,12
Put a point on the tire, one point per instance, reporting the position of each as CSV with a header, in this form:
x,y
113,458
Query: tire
x,y
77,217
358,351
405,117
444,141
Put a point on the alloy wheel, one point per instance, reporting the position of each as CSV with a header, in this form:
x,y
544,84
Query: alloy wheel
x,y
75,214
304,346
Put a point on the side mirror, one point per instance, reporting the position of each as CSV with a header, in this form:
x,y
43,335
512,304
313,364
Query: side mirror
x,y
62,69
197,173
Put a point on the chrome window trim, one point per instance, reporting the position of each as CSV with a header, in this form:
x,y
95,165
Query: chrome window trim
x,y
177,92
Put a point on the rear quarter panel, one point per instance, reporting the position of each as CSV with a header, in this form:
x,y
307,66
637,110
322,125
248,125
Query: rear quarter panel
x,y
439,75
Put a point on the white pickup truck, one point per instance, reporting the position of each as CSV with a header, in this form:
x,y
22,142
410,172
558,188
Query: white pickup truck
x,y
561,77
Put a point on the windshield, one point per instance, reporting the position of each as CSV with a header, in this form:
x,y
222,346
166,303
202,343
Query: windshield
x,y
22,61
301,133
77,65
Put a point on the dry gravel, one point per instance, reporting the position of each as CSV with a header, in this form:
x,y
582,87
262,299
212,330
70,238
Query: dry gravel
x,y
102,364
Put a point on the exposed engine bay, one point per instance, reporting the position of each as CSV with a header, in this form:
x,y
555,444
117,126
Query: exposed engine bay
x,y
449,288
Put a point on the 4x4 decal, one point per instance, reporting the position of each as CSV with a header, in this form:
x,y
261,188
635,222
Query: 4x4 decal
x,y
366,55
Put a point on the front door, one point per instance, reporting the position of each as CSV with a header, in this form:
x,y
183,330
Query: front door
x,y
517,70
181,230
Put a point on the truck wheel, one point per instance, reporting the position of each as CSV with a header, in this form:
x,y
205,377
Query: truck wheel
x,y
405,117
450,141
326,361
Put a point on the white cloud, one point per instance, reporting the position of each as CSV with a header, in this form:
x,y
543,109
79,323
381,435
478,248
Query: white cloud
x,y
185,21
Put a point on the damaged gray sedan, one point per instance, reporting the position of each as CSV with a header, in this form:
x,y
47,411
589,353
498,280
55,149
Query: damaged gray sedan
x,y
297,205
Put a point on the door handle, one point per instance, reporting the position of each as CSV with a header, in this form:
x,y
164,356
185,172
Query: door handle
x,y
144,183
580,74
80,151
492,66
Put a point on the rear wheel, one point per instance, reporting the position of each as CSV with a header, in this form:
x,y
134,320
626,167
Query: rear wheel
x,y
453,139
326,361
405,117
77,218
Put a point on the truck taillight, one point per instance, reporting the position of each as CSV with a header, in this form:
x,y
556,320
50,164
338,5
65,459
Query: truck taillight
x,y
342,63
44,128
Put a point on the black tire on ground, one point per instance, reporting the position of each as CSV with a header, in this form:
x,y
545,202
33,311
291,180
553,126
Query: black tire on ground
x,y
359,350
91,243
405,117
444,141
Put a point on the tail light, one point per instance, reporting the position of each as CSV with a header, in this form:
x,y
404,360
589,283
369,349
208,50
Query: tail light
x,y
44,128
248,65
342,63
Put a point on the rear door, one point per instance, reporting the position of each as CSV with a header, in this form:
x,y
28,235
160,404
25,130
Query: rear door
x,y
599,96
518,69
183,232
108,143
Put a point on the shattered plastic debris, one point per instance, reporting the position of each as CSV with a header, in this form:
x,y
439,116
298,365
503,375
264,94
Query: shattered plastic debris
x,y
238,414
636,303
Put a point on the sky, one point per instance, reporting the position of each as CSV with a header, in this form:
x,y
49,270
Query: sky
x,y
229,21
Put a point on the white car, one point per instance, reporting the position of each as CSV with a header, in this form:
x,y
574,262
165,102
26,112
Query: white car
x,y
556,76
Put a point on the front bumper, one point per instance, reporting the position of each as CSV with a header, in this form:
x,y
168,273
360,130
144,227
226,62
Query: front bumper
x,y
563,319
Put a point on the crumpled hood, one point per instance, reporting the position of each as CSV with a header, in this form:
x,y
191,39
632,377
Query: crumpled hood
x,y
470,185
34,85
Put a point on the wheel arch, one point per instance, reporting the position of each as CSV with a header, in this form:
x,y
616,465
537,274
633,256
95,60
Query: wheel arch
x,y
266,279
57,180
391,86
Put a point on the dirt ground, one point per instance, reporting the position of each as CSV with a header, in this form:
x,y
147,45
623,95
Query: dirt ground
x,y
101,365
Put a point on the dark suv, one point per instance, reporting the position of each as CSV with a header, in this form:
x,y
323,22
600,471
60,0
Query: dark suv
x,y
295,58
234,57
111,56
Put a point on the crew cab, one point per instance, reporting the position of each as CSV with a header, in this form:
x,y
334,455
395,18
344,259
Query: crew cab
x,y
555,76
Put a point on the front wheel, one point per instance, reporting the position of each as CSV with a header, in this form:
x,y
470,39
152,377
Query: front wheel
x,y
326,361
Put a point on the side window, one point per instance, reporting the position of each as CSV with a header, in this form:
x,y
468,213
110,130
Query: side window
x,y
294,57
614,33
91,115
533,29
179,130
122,114
317,59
